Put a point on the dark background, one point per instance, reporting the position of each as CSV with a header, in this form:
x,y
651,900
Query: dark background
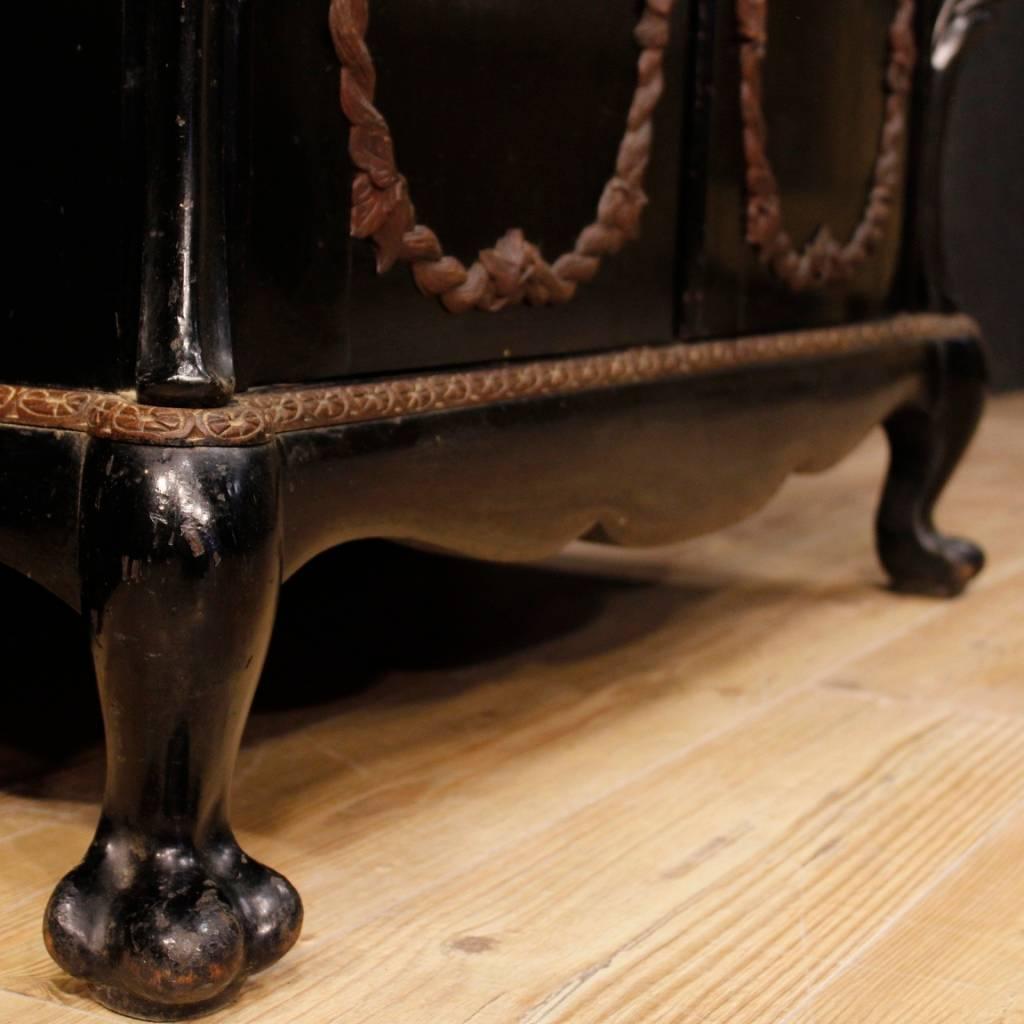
x,y
984,191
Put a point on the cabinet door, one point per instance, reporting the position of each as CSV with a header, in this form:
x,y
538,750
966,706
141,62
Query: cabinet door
x,y
797,216
503,116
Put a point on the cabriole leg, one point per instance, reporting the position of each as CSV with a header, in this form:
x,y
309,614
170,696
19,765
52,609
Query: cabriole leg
x,y
181,566
927,442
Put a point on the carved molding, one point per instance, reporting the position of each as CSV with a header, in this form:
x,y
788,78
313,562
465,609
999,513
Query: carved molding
x,y
123,419
823,260
255,417
514,270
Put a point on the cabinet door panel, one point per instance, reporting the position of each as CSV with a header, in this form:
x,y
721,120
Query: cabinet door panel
x,y
504,114
823,92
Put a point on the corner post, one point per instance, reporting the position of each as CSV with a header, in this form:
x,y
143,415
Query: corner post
x,y
184,352
956,29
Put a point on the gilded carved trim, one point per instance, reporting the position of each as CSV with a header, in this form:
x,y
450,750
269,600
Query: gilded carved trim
x,y
116,416
255,417
514,270
824,260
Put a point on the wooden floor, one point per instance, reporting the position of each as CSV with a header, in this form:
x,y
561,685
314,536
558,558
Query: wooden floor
x,y
734,782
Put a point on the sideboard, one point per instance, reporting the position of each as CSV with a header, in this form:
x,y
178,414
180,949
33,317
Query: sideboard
x,y
488,275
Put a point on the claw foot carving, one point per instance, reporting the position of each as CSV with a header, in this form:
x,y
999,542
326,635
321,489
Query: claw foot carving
x,y
166,932
930,563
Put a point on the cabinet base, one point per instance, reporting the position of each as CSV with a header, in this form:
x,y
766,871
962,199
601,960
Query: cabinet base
x,y
172,529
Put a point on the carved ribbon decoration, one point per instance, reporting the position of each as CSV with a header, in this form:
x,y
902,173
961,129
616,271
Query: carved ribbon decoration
x,y
514,270
823,260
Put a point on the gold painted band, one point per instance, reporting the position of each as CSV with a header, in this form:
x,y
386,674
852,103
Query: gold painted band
x,y
255,416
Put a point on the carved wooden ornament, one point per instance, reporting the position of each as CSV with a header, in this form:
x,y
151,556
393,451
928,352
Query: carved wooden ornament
x,y
514,270
823,260
256,416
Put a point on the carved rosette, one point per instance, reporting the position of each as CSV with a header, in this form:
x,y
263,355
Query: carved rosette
x,y
120,418
514,269
824,260
254,418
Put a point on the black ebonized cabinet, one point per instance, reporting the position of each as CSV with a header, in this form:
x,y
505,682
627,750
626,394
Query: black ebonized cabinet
x,y
488,275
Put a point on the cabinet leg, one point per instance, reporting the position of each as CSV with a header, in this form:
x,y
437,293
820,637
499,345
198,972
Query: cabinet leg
x,y
927,442
181,567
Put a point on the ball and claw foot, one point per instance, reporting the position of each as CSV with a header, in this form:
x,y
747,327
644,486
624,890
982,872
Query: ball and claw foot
x,y
169,933
927,442
930,563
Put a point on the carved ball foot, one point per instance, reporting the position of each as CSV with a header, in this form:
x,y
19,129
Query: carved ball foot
x,y
169,932
930,563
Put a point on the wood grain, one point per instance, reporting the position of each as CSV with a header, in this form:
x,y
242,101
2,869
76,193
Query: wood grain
x,y
18,1008
739,783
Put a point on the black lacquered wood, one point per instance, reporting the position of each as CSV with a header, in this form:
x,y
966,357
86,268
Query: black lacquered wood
x,y
824,77
928,439
71,74
504,116
184,355
180,570
40,473
956,30
637,465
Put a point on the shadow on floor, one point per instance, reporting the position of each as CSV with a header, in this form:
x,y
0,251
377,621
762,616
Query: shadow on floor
x,y
350,618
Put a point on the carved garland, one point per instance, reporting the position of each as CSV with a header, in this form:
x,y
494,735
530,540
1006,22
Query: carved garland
x,y
253,418
823,260
514,270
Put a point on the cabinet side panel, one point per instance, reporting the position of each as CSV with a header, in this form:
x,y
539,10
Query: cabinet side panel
x,y
71,183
